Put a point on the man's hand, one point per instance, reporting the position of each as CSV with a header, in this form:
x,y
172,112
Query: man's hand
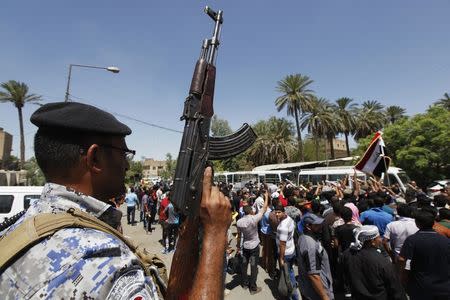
x,y
215,208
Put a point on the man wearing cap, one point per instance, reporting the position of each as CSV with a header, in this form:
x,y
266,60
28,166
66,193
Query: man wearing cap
x,y
83,155
370,274
315,279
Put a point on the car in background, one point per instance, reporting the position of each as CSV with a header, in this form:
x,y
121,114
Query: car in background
x,y
14,199
436,186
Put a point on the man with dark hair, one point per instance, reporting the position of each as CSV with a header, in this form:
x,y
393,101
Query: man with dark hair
x,y
132,201
83,155
442,230
397,231
286,245
344,233
248,230
425,261
376,216
315,279
444,217
370,274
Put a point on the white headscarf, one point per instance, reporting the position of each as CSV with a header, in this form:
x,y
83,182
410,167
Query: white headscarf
x,y
363,234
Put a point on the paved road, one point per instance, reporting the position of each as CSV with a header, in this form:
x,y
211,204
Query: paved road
x,y
150,241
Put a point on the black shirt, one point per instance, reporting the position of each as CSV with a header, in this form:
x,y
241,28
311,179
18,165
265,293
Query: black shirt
x,y
371,275
428,255
344,234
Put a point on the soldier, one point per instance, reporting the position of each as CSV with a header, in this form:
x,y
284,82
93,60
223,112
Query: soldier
x,y
83,155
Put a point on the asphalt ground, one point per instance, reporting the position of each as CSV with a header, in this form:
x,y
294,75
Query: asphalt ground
x,y
234,291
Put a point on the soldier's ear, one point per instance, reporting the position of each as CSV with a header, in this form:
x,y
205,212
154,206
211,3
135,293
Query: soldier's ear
x,y
93,158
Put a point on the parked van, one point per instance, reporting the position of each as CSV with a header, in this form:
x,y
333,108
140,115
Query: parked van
x,y
395,175
14,199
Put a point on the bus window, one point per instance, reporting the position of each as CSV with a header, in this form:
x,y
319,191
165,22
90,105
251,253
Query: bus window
x,y
336,177
303,179
272,178
230,178
317,178
220,178
261,179
392,179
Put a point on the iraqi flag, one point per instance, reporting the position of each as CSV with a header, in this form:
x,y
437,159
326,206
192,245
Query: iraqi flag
x,y
374,161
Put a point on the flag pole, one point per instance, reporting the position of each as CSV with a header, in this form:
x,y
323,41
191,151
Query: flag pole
x,y
385,165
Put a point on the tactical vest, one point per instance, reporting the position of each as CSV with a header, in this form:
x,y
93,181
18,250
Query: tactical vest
x,y
36,228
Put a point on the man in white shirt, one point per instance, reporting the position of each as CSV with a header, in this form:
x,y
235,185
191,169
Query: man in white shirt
x,y
397,231
286,245
248,230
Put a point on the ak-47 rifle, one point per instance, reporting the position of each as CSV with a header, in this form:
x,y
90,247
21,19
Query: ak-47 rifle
x,y
197,147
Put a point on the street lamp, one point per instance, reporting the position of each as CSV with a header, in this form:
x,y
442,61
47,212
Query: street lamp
x,y
110,69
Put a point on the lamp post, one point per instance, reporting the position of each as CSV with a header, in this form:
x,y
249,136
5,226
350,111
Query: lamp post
x,y
110,69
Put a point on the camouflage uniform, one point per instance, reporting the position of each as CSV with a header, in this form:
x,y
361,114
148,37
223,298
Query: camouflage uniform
x,y
75,263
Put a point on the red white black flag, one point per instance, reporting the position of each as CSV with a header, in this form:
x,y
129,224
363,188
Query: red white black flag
x,y
374,160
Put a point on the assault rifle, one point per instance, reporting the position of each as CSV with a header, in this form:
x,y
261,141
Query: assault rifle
x,y
197,147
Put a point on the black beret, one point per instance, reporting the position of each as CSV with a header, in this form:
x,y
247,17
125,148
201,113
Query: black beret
x,y
79,117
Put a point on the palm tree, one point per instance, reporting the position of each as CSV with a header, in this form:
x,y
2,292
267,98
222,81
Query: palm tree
x,y
394,113
319,121
345,111
275,142
369,118
17,93
444,102
296,98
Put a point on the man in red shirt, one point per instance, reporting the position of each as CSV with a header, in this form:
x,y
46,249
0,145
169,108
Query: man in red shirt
x,y
163,218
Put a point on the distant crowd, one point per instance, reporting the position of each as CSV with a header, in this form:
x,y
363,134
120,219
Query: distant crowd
x,y
370,241
367,241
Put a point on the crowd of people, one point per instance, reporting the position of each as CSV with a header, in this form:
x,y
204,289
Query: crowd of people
x,y
364,240
367,241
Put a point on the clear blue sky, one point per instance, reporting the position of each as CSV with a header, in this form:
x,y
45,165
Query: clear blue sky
x,y
396,52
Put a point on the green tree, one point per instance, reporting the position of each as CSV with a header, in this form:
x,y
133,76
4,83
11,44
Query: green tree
x,y
296,97
17,93
275,142
34,173
370,118
394,113
319,121
134,173
444,101
345,111
420,145
220,127
169,171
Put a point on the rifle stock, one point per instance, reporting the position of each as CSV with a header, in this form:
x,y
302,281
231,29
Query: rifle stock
x,y
195,150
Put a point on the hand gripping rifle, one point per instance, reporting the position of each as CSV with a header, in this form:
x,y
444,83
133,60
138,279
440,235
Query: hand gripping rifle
x,y
197,147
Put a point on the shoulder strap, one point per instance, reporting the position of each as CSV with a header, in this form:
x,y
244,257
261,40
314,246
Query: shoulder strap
x,y
40,226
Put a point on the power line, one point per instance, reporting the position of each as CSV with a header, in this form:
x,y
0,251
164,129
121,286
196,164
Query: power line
x,y
130,118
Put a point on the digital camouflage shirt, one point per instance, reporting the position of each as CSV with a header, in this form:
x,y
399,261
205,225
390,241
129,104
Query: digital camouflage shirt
x,y
74,263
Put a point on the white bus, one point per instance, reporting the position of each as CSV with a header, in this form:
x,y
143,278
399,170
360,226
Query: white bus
x,y
395,175
240,178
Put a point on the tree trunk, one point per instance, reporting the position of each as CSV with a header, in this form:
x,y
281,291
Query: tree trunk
x,y
299,136
346,144
330,140
316,140
22,139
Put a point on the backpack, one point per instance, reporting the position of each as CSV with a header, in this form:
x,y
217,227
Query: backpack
x,y
38,227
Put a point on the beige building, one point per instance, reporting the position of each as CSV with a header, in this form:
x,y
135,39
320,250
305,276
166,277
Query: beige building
x,y
5,146
152,168
340,149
